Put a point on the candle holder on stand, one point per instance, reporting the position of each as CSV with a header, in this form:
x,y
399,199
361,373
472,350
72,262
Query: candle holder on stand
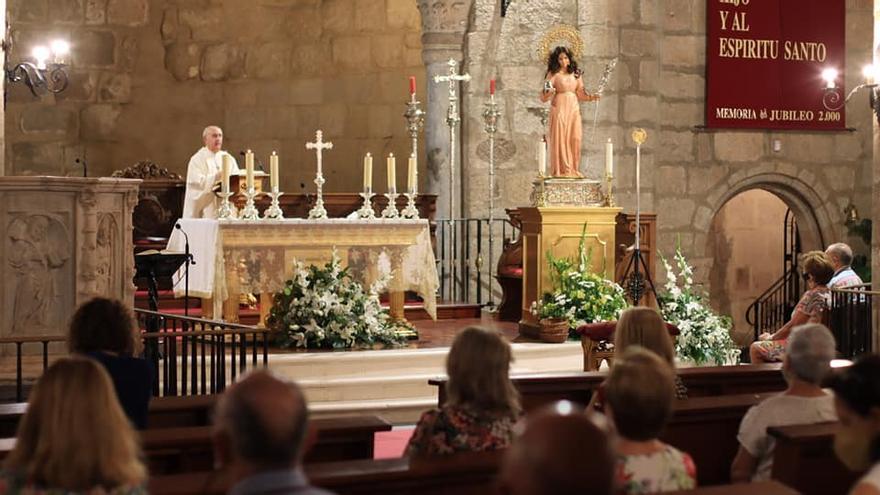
x,y
490,118
227,210
250,209
366,211
410,211
609,189
415,119
390,211
318,211
274,210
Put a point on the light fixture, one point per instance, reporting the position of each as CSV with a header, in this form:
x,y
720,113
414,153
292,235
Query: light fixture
x,y
831,100
48,71
850,214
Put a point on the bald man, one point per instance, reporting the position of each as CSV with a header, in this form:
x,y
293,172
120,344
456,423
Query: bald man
x,y
841,257
561,452
259,428
204,170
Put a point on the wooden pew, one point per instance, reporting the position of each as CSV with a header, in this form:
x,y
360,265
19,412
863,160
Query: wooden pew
x,y
804,459
757,488
538,389
176,450
461,474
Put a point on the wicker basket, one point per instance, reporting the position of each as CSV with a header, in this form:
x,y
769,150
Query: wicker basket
x,y
553,330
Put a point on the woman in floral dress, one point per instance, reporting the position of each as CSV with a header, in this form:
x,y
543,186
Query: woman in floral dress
x,y
813,306
639,394
482,404
74,438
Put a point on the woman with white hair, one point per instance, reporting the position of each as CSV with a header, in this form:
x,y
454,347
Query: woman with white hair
x,y
809,352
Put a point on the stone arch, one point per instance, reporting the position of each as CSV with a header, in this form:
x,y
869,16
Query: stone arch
x,y
817,216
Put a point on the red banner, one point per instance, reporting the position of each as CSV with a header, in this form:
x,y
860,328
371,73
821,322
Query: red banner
x,y
764,63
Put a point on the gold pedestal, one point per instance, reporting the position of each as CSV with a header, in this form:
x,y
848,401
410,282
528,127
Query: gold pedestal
x,y
558,230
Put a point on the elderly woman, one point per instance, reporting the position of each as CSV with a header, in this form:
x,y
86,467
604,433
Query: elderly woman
x,y
482,405
812,307
857,442
809,352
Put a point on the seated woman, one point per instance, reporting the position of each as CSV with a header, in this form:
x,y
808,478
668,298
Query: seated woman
x,y
857,401
807,361
105,330
639,394
645,327
814,304
74,437
482,404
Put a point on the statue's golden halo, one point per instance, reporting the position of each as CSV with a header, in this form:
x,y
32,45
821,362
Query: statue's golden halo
x,y
567,36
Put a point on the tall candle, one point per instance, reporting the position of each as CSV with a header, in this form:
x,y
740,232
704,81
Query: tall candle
x,y
492,87
273,171
392,174
609,158
368,173
249,169
542,157
227,168
412,85
412,175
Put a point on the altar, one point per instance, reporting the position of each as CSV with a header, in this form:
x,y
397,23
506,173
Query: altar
x,y
237,256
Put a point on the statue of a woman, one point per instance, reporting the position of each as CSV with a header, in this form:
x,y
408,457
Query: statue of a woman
x,y
563,83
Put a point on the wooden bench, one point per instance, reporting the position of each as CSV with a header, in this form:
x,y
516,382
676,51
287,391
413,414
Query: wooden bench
x,y
538,389
804,459
757,488
176,450
460,474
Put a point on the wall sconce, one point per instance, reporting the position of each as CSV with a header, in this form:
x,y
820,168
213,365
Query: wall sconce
x,y
48,72
850,214
831,99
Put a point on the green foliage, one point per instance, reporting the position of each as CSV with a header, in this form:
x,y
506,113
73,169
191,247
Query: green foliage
x,y
322,307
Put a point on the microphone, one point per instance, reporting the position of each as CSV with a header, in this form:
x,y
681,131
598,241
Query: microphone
x,y
82,161
186,242
259,162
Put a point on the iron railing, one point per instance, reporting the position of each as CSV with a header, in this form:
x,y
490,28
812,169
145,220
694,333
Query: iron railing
x,y
190,356
851,320
773,308
467,256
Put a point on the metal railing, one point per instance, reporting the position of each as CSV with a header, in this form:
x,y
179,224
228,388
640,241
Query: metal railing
x,y
190,356
851,319
773,308
467,252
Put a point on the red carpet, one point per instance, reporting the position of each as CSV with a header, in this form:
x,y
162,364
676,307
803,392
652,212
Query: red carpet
x,y
390,444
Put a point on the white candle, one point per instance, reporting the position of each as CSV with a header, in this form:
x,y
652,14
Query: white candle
x,y
542,157
249,169
412,175
226,162
609,158
368,173
392,174
273,171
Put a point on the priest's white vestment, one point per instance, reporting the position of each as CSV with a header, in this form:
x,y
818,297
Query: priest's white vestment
x,y
204,170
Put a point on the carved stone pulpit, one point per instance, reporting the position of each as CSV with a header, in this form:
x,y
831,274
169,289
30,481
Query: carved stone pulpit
x,y
64,241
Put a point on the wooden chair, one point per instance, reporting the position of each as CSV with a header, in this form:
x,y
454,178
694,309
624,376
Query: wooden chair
x,y
595,338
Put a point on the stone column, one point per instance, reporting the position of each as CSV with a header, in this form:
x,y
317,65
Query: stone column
x,y
444,23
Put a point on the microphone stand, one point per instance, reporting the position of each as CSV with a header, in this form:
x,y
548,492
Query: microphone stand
x,y
189,260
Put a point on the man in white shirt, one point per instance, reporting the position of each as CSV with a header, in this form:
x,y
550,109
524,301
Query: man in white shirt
x,y
204,170
841,256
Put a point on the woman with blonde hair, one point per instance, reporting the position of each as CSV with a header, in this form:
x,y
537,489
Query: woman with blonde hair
x,y
482,404
74,437
645,327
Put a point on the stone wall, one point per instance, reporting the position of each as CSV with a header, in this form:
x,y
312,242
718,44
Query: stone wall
x,y
688,172
148,75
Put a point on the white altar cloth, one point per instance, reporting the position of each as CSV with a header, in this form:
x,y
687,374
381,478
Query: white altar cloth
x,y
235,256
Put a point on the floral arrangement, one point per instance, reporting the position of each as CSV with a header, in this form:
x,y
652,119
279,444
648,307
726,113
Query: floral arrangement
x,y
579,296
705,336
323,307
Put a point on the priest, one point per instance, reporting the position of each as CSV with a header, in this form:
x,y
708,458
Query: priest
x,y
204,170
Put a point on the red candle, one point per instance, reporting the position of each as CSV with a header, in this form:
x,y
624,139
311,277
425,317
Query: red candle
x,y
491,86
412,85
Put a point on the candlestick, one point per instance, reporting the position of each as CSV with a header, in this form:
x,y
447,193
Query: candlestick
x,y
392,173
227,210
412,85
368,173
390,211
410,211
412,175
250,209
274,212
249,169
273,171
227,168
366,211
542,158
491,115
415,118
